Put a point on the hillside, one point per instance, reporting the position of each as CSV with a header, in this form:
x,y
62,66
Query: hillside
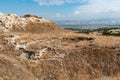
x,y
28,23
34,48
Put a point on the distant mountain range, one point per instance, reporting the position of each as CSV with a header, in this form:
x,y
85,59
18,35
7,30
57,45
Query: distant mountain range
x,y
111,21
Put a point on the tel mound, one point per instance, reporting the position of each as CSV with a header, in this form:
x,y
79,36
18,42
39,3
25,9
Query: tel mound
x,y
34,48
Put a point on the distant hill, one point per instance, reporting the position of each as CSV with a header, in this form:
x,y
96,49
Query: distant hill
x,y
111,21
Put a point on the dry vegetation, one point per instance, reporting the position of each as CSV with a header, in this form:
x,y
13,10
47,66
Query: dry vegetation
x,y
69,55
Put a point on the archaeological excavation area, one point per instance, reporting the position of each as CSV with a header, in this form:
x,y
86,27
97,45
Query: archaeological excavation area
x,y
34,48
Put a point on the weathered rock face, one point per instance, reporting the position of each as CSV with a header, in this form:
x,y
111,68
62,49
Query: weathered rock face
x,y
27,23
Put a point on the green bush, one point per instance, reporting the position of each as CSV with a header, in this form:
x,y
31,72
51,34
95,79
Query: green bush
x,y
84,31
104,31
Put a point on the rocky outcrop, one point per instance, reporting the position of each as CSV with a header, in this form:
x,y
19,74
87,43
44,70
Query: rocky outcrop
x,y
27,23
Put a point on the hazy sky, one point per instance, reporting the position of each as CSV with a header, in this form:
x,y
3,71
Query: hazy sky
x,y
63,9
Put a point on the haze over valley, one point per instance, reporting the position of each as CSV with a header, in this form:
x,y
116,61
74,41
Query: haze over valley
x,y
89,24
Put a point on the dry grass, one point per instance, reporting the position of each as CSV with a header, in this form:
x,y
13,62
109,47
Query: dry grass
x,y
84,59
37,27
71,56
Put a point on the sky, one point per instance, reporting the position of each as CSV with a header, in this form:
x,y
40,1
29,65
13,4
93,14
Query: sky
x,y
63,9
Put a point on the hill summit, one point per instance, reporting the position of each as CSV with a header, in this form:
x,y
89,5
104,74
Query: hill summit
x,y
27,23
